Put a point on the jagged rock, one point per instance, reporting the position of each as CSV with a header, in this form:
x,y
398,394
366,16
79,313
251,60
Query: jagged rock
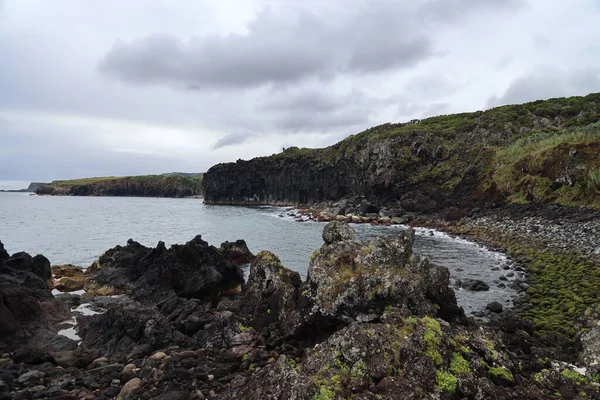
x,y
278,381
273,293
348,280
30,377
123,330
193,270
236,252
27,307
337,231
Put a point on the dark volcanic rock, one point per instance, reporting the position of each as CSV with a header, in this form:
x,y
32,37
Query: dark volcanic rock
x,y
27,306
193,270
236,252
474,285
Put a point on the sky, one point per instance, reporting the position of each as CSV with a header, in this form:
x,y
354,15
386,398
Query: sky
x,y
132,87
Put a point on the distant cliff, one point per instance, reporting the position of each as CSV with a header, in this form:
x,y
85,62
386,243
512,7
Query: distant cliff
x,y
167,185
544,151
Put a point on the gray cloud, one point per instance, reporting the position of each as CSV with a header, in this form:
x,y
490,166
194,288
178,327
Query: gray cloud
x,y
547,82
275,50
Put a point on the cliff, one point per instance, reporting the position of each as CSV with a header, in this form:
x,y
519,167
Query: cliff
x,y
167,185
543,151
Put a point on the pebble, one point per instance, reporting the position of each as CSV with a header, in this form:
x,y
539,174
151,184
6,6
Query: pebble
x,y
115,383
101,360
158,356
129,388
129,368
510,274
31,376
211,377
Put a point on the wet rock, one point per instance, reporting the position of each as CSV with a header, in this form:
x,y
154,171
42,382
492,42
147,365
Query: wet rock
x,y
494,307
236,252
474,285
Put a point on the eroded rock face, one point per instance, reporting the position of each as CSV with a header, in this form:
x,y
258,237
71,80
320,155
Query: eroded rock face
x,y
349,281
192,270
272,294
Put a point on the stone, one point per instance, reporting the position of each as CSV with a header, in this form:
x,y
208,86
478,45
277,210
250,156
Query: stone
x,y
130,388
337,231
69,284
494,307
67,270
129,368
158,356
101,360
474,285
33,376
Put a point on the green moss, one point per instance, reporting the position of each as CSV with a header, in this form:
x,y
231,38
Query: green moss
x,y
445,381
500,372
574,376
459,365
242,328
432,332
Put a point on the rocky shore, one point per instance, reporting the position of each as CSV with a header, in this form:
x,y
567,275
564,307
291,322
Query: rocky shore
x,y
370,321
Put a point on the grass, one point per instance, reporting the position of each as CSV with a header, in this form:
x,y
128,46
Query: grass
x,y
191,178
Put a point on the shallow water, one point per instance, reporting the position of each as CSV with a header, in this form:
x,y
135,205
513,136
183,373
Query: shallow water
x,y
77,230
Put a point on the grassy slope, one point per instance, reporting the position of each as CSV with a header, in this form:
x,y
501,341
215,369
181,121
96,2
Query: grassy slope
x,y
192,178
522,151
191,182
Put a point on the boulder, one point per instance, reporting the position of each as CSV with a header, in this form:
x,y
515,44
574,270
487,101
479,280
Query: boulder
x,y
272,294
473,285
494,307
236,252
67,270
69,284
348,280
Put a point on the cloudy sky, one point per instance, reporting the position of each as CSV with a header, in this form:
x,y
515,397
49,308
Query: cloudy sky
x,y
113,87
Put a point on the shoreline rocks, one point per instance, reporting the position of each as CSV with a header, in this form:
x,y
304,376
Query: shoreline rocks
x,y
370,321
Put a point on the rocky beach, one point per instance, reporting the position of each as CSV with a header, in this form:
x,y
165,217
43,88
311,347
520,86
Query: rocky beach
x,y
371,320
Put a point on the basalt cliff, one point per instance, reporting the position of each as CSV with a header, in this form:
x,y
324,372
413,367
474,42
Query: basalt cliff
x,y
538,152
166,185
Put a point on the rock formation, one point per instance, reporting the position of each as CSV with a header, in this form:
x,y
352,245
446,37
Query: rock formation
x,y
371,321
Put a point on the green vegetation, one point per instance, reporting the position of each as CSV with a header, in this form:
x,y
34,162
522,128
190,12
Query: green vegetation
x,y
445,381
432,333
502,373
563,285
173,176
574,376
546,167
459,365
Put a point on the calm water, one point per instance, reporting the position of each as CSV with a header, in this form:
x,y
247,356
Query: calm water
x,y
77,230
